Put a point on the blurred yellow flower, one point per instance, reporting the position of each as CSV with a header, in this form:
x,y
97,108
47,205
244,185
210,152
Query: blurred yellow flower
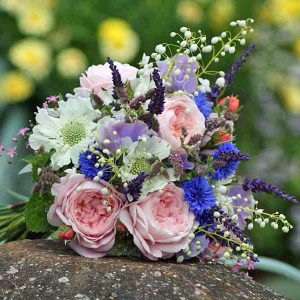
x,y
71,62
35,19
117,40
15,6
10,6
291,97
189,11
220,13
33,56
281,11
15,87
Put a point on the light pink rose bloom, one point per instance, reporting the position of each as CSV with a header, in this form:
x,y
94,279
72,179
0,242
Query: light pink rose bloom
x,y
98,77
180,111
80,204
160,223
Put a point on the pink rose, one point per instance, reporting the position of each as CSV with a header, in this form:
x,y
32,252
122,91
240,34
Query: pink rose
x,y
160,223
98,77
80,204
180,111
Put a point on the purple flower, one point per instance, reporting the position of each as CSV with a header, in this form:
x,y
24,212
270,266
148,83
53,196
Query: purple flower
x,y
116,77
259,185
113,134
230,166
232,72
156,105
182,64
134,188
187,165
244,200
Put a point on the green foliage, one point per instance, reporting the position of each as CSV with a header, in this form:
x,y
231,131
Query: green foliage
x,y
36,213
38,161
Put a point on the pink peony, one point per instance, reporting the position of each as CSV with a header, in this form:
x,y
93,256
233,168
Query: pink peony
x,y
98,77
160,223
180,111
80,204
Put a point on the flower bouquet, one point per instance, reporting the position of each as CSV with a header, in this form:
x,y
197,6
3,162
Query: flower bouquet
x,y
142,161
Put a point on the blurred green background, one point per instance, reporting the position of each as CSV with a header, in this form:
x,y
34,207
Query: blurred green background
x,y
46,44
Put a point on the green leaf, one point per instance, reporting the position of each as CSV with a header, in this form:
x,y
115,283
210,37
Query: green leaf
x,y
37,161
36,212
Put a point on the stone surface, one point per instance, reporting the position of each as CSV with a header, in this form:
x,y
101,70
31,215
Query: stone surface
x,y
44,269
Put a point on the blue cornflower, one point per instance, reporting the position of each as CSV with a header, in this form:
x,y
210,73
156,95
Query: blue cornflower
x,y
230,166
90,166
199,194
207,219
203,104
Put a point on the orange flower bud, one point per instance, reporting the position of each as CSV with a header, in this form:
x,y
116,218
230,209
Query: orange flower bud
x,y
233,103
222,137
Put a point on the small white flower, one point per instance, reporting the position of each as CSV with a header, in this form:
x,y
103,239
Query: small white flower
x,y
183,29
183,44
157,57
207,49
188,34
242,23
145,59
231,50
160,49
214,40
199,56
193,47
220,82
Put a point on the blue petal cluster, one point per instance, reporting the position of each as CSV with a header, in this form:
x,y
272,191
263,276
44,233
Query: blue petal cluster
x,y
87,166
200,196
230,167
203,104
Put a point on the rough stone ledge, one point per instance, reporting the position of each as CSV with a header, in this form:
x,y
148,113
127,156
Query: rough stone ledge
x,y
44,269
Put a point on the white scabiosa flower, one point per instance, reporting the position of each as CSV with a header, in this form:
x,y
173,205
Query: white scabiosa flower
x,y
141,157
67,133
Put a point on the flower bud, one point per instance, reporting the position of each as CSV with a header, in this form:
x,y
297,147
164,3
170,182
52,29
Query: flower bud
x,y
66,235
233,103
222,137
